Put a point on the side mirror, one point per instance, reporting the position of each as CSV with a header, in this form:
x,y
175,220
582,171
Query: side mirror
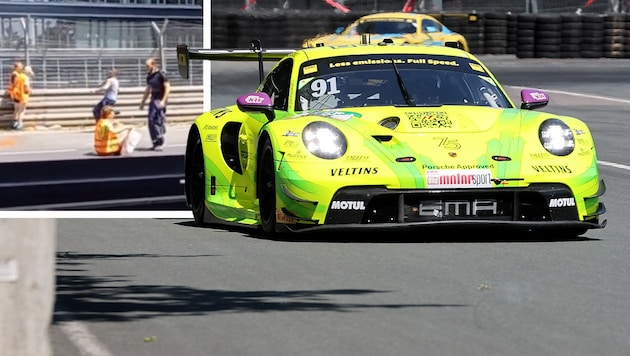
x,y
256,102
533,99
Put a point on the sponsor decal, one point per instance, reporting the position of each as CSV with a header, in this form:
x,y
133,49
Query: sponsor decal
x,y
539,155
219,112
211,137
210,127
182,59
290,133
357,157
457,166
584,152
253,99
561,202
333,114
310,69
284,218
429,119
289,143
455,178
549,168
298,155
347,205
353,171
477,67
442,208
539,96
448,143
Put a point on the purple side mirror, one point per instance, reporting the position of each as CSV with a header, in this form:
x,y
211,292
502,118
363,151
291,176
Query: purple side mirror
x,y
256,102
533,98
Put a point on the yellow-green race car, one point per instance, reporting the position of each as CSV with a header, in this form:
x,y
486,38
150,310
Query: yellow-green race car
x,y
400,27
387,137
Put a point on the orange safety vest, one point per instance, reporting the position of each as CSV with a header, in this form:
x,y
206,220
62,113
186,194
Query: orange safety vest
x,y
105,141
12,81
20,92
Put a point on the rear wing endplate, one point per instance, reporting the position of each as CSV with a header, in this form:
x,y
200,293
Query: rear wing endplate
x,y
254,53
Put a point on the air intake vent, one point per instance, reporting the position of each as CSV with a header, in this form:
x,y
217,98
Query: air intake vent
x,y
382,138
390,122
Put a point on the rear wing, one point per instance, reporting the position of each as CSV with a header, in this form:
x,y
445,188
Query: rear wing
x,y
254,53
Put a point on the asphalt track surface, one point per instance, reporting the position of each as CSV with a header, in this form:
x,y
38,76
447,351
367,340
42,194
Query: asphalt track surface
x,y
165,287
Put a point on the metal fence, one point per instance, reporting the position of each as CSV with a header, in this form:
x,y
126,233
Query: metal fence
x,y
67,53
83,60
445,6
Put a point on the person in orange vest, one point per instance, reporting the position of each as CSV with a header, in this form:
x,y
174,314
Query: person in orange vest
x,y
21,94
17,68
112,137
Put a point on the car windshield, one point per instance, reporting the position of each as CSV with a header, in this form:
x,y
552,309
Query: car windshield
x,y
369,80
386,26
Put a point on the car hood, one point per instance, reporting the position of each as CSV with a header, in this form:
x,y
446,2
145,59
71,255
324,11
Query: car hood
x,y
428,132
424,119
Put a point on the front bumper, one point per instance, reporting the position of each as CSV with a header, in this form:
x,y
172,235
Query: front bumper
x,y
539,207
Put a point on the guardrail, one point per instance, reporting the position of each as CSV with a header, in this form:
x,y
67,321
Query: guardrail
x,y
73,107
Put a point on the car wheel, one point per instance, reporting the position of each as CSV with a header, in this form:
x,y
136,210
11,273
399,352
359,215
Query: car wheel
x,y
266,179
197,184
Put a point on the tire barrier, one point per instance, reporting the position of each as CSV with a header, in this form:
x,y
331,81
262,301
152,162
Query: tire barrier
x,y
96,183
547,36
526,35
571,34
592,45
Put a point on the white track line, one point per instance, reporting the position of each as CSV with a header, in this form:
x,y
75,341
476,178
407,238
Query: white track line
x,y
612,164
83,339
101,214
581,95
35,152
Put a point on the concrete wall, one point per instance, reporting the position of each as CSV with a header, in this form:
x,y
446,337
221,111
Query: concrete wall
x,y
27,285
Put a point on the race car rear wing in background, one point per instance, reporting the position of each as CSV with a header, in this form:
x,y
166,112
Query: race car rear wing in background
x,y
254,53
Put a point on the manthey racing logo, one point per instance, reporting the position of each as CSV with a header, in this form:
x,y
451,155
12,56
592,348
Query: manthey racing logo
x,y
458,178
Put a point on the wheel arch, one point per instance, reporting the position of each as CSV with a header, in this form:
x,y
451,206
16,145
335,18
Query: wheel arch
x,y
264,136
193,135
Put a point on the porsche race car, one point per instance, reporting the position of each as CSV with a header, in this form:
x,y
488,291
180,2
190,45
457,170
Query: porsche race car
x,y
400,27
387,136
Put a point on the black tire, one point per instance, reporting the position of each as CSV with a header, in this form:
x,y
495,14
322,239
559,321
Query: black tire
x,y
266,188
197,182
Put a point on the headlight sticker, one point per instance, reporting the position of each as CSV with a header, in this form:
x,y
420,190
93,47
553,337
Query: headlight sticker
x,y
477,67
310,69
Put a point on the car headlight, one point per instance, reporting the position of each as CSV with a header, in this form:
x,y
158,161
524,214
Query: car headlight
x,y
556,137
324,140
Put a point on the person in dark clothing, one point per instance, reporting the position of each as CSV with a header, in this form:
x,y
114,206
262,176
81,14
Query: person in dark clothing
x,y
158,88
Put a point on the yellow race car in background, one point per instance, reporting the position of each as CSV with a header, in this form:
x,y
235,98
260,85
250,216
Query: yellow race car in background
x,y
400,27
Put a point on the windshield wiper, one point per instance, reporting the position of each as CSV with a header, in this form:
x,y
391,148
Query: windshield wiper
x,y
403,89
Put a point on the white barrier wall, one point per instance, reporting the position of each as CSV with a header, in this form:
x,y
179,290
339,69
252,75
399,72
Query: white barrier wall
x,y
27,285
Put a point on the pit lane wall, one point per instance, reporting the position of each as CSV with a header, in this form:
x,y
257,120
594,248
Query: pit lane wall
x,y
526,35
94,183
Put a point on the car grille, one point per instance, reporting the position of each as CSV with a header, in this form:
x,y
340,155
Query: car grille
x,y
379,205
